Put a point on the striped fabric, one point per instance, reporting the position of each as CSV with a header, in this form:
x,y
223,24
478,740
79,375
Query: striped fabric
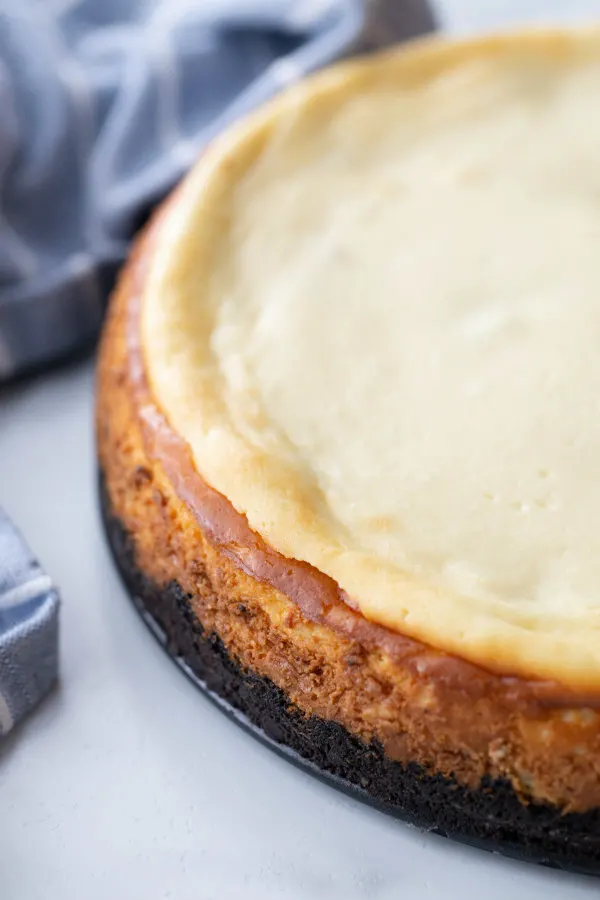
x,y
104,104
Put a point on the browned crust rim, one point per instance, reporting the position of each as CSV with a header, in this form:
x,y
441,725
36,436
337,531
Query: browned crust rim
x,y
422,705
490,815
317,595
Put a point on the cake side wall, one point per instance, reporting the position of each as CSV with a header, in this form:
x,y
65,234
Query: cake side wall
x,y
547,755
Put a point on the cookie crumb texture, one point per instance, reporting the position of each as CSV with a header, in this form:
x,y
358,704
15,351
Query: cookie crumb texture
x,y
491,816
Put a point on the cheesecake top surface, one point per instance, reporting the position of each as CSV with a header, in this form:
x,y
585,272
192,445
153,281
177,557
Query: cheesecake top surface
x,y
373,312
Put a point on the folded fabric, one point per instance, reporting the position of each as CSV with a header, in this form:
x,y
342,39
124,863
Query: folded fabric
x,y
103,105
28,628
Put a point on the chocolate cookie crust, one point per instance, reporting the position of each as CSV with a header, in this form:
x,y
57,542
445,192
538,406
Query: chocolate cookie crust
x,y
491,816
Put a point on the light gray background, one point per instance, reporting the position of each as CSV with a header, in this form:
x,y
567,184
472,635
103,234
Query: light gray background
x,y
127,784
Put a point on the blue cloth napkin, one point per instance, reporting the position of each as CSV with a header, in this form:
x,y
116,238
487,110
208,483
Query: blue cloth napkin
x,y
104,104
28,628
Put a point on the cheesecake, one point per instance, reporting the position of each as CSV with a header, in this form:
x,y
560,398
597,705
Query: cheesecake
x,y
348,432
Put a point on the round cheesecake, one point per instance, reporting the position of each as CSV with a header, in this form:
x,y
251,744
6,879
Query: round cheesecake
x,y
348,429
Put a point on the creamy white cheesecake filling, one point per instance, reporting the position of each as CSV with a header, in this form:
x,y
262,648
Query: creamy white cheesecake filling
x,y
374,314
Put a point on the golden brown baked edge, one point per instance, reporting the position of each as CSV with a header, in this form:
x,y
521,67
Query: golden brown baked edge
x,y
422,705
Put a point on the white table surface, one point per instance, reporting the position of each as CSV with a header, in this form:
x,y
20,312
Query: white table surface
x,y
127,784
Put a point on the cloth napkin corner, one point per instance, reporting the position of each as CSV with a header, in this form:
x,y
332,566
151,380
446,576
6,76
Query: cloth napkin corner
x,y
29,606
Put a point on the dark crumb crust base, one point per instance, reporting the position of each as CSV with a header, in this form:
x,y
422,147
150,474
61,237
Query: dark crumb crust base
x,y
492,817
